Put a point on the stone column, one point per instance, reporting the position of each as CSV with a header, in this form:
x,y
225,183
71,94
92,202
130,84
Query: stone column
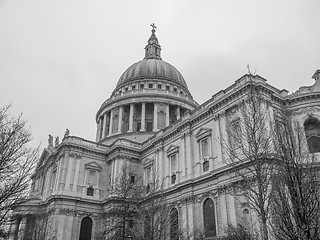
x,y
111,123
22,228
155,117
131,117
104,126
98,137
120,119
178,112
167,115
143,117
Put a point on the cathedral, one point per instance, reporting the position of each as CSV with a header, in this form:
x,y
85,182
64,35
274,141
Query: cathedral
x,y
151,121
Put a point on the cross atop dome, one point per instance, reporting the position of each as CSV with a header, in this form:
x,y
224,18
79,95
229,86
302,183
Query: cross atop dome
x,y
153,49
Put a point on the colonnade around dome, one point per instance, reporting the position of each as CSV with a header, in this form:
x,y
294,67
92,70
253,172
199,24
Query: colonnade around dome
x,y
138,117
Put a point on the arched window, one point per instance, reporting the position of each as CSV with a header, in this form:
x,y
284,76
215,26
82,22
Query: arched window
x,y
209,218
312,131
85,229
174,224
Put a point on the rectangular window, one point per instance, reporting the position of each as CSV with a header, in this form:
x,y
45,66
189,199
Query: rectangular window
x,y
149,125
235,133
168,88
141,86
132,179
173,163
138,126
133,87
205,148
175,89
150,85
148,174
159,86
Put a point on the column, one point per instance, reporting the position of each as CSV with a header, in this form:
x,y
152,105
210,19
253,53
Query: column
x,y
98,130
143,117
131,117
167,115
120,119
22,228
111,123
155,117
104,126
178,112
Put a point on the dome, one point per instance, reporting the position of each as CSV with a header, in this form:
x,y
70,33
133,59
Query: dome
x,y
152,68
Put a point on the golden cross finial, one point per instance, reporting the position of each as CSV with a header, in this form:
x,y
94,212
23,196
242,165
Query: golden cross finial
x,y
153,26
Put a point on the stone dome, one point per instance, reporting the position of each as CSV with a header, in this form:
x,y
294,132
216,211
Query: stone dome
x,y
152,68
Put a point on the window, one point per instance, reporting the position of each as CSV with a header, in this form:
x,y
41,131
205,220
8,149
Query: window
x,y
235,133
175,89
90,191
133,87
204,142
205,154
141,86
149,125
126,89
92,178
174,224
173,168
209,218
148,174
150,85
168,88
86,229
132,179
312,131
159,86
138,125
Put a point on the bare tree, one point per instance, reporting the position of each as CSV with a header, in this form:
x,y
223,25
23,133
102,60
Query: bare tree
x,y
17,161
296,203
250,150
125,193
153,211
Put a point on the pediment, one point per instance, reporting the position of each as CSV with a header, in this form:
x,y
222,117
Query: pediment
x,y
172,149
203,132
93,166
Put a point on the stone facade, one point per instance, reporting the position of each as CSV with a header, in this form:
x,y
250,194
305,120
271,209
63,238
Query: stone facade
x,y
151,119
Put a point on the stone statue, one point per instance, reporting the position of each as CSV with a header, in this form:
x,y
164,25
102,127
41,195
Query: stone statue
x,y
66,134
50,141
56,142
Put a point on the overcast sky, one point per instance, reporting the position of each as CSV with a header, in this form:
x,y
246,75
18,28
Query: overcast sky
x,y
60,59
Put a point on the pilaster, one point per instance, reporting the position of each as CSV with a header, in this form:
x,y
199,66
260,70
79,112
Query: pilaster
x,y
120,119
111,122
143,117
155,117
131,117
167,115
103,129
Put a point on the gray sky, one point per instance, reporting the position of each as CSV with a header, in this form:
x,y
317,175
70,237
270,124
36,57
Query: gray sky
x,y
59,60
